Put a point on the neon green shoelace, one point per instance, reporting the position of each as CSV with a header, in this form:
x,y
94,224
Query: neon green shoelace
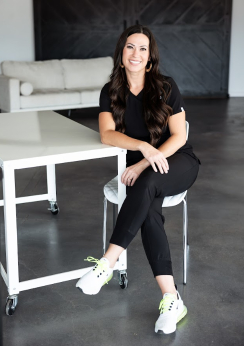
x,y
166,304
99,267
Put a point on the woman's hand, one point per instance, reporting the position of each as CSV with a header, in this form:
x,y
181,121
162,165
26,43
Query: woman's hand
x,y
132,173
155,157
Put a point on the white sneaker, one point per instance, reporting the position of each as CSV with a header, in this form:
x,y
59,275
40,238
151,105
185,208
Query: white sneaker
x,y
171,312
99,275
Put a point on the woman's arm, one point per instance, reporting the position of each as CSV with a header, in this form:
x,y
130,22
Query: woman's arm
x,y
110,136
177,128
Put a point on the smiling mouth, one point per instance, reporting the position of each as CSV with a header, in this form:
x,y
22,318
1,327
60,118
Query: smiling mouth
x,y
134,62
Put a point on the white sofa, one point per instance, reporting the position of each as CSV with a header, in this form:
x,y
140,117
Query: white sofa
x,y
53,84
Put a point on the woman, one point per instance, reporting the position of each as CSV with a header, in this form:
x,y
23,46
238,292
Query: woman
x,y
142,111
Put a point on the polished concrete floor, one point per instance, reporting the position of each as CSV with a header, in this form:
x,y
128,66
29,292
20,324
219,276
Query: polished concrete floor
x,y
61,315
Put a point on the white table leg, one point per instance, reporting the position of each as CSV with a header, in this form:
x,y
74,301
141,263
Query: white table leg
x,y
122,263
11,242
51,183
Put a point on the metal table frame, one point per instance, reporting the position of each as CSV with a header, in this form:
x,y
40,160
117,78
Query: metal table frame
x,y
11,275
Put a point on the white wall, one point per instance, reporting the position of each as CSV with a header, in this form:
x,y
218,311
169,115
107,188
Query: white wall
x,y
236,71
16,30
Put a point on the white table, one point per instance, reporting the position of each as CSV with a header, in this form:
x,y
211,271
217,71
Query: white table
x,y
45,138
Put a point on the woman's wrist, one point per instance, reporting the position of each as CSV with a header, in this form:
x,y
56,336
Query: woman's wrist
x,y
142,146
144,164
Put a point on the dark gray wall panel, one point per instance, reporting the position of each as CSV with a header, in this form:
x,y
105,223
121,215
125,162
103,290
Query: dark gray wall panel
x,y
194,42
193,35
77,29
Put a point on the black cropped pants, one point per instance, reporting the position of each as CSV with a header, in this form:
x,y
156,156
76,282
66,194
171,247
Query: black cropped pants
x,y
142,208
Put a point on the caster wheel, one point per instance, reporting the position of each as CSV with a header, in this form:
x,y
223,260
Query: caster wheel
x,y
10,306
123,281
54,209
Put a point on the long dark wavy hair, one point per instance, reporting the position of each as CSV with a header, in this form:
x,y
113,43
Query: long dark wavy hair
x,y
155,93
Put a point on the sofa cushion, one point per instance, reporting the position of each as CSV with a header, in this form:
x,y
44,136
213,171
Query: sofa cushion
x,y
87,73
41,74
26,88
90,96
49,98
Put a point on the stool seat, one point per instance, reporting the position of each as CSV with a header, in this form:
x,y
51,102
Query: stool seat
x,y
111,193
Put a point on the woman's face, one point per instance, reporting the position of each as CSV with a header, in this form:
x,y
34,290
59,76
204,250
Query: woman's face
x,y
136,53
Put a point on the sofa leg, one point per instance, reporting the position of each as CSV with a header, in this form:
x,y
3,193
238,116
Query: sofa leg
x,y
69,113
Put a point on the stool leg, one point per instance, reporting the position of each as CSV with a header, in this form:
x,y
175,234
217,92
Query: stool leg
x,y
104,223
187,224
185,241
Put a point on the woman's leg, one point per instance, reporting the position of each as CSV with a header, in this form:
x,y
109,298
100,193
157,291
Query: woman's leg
x,y
124,230
153,235
156,247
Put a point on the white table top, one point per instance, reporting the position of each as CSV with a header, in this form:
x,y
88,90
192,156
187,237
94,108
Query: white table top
x,y
28,135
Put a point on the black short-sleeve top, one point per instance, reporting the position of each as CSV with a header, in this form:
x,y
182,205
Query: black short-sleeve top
x,y
135,126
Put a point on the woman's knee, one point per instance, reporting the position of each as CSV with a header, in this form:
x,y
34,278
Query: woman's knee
x,y
147,179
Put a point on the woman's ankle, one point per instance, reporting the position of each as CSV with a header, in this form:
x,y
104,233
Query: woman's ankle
x,y
112,254
166,284
173,292
111,262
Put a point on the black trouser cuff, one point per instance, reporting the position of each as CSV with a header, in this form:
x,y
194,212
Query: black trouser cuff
x,y
162,267
122,239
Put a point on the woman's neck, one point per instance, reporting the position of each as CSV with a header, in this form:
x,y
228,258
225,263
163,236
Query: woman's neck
x,y
135,80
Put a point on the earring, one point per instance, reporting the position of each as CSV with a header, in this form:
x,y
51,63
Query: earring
x,y
121,65
148,69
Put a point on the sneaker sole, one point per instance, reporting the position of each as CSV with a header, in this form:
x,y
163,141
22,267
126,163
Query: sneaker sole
x,y
109,278
89,293
180,317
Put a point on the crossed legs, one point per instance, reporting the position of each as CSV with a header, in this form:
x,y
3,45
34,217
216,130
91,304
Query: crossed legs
x,y
142,208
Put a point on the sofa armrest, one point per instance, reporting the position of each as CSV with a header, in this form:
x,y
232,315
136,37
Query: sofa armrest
x,y
9,94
